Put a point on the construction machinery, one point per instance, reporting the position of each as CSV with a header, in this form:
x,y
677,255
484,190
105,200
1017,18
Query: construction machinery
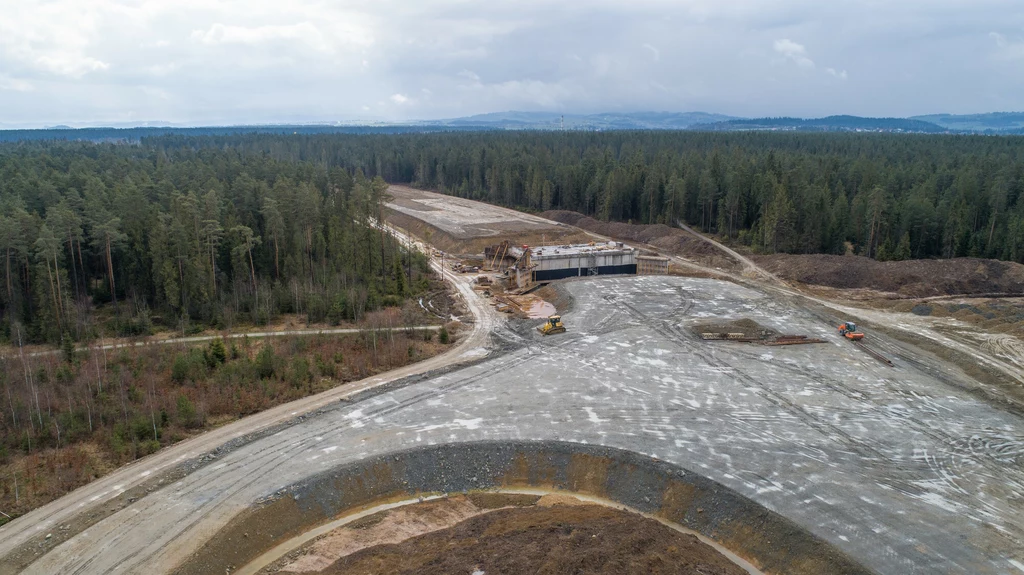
x,y
849,331
552,326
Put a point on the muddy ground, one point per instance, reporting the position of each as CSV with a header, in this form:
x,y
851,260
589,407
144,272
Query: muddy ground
x,y
561,538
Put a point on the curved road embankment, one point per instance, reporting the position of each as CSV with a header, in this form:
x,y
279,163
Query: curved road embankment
x,y
757,535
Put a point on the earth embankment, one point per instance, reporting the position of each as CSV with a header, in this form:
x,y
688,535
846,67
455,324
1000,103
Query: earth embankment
x,y
556,539
767,540
909,278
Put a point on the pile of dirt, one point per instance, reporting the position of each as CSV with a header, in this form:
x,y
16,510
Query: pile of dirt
x,y
659,236
749,328
1002,315
911,278
557,295
556,539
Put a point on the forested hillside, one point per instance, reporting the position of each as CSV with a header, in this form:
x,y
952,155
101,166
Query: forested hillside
x,y
883,196
186,238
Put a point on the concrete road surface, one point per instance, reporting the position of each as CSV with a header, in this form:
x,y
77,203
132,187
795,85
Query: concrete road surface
x,y
899,467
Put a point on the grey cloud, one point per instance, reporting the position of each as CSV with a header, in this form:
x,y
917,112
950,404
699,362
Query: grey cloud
x,y
793,52
235,61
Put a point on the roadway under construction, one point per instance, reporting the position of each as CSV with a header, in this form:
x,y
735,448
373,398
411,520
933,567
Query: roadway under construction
x,y
797,458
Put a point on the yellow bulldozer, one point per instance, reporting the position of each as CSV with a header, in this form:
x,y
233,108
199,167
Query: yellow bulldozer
x,y
552,326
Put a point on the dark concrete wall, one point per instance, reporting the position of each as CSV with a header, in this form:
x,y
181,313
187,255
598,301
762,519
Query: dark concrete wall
x,y
763,537
549,275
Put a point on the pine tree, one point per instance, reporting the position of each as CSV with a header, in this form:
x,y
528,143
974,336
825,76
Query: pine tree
x,y
217,353
903,249
885,251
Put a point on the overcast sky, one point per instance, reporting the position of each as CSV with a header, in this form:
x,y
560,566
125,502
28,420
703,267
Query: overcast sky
x,y
251,61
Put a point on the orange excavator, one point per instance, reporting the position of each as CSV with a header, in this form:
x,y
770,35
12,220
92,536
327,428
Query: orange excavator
x,y
849,331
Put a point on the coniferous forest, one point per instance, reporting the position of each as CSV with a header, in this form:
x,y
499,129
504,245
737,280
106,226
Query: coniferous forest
x,y
100,241
186,230
186,233
885,196
188,239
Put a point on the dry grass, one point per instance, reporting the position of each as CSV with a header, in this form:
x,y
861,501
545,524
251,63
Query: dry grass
x,y
69,423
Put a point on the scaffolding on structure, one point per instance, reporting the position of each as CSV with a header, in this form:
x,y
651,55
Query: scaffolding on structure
x,y
652,265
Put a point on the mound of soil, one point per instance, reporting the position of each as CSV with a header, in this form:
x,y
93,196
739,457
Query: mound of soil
x,y
911,278
660,236
557,296
748,327
549,540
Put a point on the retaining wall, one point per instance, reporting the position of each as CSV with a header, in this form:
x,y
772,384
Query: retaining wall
x,y
766,539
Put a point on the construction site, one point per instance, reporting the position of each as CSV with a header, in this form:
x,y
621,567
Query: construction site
x,y
748,423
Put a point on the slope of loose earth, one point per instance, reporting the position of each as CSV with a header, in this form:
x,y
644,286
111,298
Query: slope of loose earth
x,y
555,539
910,278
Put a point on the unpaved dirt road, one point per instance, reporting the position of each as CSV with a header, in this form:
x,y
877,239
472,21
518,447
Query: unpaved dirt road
x,y
466,219
749,267
258,334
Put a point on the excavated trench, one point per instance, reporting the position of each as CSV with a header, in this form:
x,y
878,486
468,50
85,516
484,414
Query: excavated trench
x,y
668,493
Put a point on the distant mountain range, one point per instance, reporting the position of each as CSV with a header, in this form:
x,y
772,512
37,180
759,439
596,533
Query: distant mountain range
x,y
829,124
995,123
998,123
607,121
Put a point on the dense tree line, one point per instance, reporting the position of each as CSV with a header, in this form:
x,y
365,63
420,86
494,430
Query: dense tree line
x,y
186,238
883,196
191,230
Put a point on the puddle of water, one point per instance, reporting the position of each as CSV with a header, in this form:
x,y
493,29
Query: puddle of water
x,y
540,309
533,306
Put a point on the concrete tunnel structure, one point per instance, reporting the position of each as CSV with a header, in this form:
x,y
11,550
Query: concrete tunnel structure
x,y
547,263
